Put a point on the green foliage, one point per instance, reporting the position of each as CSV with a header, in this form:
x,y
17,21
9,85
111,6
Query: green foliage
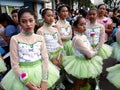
x,y
92,6
112,3
81,3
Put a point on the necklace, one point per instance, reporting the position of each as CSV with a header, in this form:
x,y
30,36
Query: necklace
x,y
27,33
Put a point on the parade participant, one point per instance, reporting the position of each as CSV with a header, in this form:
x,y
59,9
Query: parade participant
x,y
65,29
95,33
31,69
85,63
114,71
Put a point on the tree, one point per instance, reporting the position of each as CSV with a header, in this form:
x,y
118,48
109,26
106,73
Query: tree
x,y
112,3
68,2
83,3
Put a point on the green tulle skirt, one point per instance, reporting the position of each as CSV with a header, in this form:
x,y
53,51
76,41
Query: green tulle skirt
x,y
114,75
68,48
82,67
105,51
56,53
34,70
116,51
2,66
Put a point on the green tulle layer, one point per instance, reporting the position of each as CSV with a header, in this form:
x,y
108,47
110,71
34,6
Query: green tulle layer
x,y
114,75
68,48
81,67
116,51
2,66
12,82
105,51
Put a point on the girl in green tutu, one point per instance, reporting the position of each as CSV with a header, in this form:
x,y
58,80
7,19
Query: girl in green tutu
x,y
65,29
85,63
52,37
31,69
114,71
96,35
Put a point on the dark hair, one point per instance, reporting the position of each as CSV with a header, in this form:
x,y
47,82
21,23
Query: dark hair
x,y
14,11
100,5
77,21
92,9
83,12
115,9
44,10
24,10
61,6
4,17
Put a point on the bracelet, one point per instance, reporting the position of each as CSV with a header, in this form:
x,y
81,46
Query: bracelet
x,y
24,78
45,76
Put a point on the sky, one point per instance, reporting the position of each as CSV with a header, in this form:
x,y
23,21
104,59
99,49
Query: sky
x,y
96,2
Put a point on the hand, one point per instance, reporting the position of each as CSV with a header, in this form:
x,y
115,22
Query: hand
x,y
32,86
44,85
59,59
64,39
55,61
94,49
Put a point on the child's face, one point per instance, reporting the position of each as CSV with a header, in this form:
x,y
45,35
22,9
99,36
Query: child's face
x,y
49,17
15,17
92,15
81,26
63,13
27,22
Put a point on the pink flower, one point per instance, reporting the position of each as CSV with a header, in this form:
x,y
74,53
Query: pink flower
x,y
23,75
105,20
92,34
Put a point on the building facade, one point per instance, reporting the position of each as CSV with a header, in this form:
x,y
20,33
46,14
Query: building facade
x,y
6,6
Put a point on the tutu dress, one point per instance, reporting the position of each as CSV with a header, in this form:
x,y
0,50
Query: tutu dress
x,y
114,71
114,75
52,40
29,56
66,34
78,65
96,35
116,47
2,66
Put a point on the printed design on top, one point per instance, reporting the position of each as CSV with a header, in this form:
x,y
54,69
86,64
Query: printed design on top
x,y
65,31
51,41
29,52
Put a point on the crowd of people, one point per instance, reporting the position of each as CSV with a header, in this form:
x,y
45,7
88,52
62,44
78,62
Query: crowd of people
x,y
69,45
